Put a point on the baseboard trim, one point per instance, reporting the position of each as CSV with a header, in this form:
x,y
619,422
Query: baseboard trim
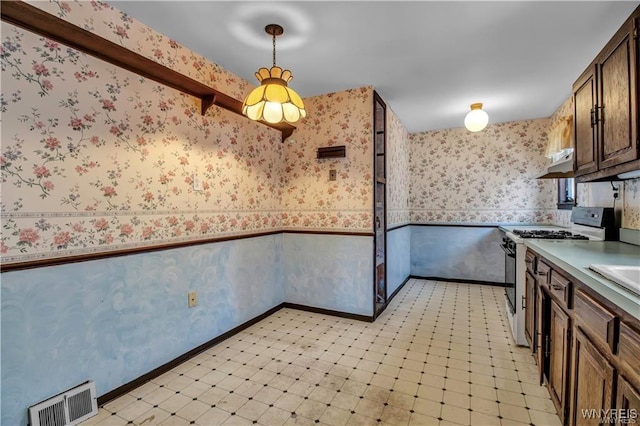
x,y
340,314
458,280
119,391
397,290
390,298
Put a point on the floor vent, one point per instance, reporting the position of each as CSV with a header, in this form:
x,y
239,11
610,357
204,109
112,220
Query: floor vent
x,y
66,409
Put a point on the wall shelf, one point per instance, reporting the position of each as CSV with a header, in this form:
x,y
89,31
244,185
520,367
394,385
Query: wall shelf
x,y
40,22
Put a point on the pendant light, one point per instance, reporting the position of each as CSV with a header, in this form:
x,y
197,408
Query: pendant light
x,y
476,120
273,101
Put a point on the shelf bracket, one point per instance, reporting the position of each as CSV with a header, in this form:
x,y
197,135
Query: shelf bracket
x,y
33,19
207,102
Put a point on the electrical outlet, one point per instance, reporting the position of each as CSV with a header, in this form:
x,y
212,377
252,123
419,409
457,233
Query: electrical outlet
x,y
193,299
197,183
332,174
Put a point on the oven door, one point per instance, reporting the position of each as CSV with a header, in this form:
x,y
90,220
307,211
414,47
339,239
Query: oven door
x,y
509,248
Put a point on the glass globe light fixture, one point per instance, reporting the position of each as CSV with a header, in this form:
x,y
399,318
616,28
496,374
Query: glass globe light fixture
x,y
476,119
274,101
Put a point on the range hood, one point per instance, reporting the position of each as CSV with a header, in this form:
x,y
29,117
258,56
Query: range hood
x,y
562,168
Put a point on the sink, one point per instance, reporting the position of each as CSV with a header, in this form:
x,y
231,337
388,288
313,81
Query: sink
x,y
623,275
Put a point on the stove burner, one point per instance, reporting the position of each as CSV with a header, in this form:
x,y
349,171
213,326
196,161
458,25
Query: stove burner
x,y
548,234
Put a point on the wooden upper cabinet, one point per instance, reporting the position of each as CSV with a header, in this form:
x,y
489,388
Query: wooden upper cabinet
x,y
617,106
586,136
606,108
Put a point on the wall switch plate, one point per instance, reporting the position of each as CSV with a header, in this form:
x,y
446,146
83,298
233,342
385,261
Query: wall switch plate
x,y
332,174
197,183
193,299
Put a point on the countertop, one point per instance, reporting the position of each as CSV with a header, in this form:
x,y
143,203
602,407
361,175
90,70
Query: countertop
x,y
575,256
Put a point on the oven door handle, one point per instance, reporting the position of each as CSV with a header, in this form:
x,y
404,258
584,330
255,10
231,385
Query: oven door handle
x,y
507,251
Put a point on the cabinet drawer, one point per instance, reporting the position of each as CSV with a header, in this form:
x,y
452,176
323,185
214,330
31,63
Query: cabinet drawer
x,y
542,272
560,287
597,321
530,261
629,347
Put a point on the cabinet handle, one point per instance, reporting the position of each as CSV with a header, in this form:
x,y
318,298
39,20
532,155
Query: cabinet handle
x,y
523,303
557,287
593,117
546,347
377,222
541,273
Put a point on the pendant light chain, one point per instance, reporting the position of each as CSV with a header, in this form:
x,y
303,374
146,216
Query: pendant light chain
x,y
274,48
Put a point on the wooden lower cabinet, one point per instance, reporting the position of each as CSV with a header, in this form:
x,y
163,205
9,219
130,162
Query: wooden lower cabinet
x,y
628,402
587,348
559,352
593,378
529,317
542,334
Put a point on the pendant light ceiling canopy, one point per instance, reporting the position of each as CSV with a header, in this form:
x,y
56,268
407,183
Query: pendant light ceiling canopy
x,y
476,120
273,101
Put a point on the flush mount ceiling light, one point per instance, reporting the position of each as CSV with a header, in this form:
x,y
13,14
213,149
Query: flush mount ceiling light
x,y
273,101
476,119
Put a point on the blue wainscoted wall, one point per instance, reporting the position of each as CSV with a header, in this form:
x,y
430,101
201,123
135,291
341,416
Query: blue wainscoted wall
x,y
115,319
398,257
457,252
329,271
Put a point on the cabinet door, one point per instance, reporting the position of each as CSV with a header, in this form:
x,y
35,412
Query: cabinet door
x,y
585,131
628,402
560,340
617,109
592,382
530,310
542,333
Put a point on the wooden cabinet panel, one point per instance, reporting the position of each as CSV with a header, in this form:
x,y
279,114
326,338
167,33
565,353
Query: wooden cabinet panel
x,y
585,131
617,105
593,378
629,348
530,261
628,401
530,309
560,287
598,322
542,273
559,345
542,334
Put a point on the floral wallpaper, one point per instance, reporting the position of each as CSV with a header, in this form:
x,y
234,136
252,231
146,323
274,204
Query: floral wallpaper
x,y
631,204
95,158
110,23
310,199
485,177
398,181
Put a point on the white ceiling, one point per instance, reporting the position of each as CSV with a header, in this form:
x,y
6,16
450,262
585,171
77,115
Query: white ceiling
x,y
428,60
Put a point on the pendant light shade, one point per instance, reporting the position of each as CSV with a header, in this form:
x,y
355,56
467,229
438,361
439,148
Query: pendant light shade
x,y
476,120
273,101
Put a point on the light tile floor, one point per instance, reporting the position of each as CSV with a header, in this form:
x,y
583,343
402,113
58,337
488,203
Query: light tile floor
x,y
441,354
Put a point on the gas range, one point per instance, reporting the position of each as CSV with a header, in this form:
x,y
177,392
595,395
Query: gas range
x,y
587,224
549,234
